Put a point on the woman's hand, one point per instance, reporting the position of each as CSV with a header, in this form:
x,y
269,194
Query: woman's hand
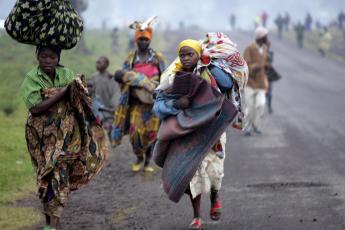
x,y
50,101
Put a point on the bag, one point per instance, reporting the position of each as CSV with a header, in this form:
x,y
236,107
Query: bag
x,y
45,22
272,74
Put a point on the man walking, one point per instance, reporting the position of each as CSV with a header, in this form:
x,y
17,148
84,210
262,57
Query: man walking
x,y
256,56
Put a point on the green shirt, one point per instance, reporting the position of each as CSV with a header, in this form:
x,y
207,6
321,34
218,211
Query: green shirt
x,y
36,80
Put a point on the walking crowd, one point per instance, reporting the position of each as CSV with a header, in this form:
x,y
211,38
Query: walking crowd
x,y
311,28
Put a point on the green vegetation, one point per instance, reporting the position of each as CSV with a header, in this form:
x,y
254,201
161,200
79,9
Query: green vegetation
x,y
12,218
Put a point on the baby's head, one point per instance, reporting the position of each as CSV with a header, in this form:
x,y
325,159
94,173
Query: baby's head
x,y
189,52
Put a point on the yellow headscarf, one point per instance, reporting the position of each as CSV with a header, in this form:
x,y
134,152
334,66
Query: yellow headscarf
x,y
167,77
194,44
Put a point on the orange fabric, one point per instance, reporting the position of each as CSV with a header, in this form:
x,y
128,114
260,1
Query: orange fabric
x,y
147,33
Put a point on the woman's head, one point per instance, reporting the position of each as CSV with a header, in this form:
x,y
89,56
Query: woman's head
x,y
189,52
143,38
48,58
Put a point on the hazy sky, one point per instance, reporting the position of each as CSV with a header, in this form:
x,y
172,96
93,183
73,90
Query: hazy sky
x,y
210,14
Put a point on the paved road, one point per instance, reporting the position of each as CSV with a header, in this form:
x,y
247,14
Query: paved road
x,y
292,177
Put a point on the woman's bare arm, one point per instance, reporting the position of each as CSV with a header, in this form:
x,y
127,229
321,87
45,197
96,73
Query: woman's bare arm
x,y
49,102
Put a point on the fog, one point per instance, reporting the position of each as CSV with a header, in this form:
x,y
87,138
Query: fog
x,y
208,14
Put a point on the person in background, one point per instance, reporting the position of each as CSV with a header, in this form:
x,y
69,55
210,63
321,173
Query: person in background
x,y
115,40
98,108
279,21
256,56
257,21
138,79
233,21
287,21
264,18
105,89
341,20
300,29
308,22
272,75
325,41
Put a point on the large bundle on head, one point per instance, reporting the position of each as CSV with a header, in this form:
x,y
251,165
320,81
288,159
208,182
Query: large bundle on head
x,y
45,22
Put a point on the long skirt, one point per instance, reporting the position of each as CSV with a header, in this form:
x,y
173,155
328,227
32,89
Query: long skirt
x,y
143,129
66,152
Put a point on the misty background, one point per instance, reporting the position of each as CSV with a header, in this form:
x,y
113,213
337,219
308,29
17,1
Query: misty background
x,y
207,14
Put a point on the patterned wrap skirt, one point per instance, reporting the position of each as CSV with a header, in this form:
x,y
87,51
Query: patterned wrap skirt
x,y
143,129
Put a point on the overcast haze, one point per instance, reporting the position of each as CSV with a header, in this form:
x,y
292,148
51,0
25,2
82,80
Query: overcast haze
x,y
209,14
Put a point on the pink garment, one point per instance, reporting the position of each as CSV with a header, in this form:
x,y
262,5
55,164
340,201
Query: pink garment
x,y
148,69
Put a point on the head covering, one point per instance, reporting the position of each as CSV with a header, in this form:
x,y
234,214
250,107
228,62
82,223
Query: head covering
x,y
260,32
194,44
146,33
55,49
167,77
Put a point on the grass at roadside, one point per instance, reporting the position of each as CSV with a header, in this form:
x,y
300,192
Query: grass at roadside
x,y
16,173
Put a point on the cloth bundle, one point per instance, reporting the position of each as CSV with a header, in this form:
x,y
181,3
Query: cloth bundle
x,y
45,22
67,132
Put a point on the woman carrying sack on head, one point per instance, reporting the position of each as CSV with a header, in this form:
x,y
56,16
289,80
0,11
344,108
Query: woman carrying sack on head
x,y
66,145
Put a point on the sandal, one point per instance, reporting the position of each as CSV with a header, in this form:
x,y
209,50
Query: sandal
x,y
149,169
196,224
216,210
137,166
